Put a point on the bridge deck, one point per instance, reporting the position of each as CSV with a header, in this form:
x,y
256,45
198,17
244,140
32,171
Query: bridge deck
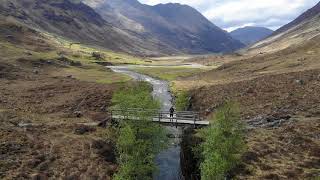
x,y
204,123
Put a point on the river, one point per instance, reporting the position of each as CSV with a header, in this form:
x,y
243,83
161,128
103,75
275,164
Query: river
x,y
168,161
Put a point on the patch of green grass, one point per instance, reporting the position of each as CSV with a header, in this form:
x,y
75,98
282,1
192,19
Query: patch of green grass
x,y
45,55
12,52
84,52
169,73
93,74
8,50
89,71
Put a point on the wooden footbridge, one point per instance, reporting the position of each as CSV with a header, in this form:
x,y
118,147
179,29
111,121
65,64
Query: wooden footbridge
x,y
179,118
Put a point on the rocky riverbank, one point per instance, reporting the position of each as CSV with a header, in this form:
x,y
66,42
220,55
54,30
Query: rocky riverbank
x,y
189,159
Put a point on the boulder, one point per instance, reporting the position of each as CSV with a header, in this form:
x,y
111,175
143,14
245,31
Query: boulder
x,y
105,149
78,114
39,176
35,71
82,129
300,82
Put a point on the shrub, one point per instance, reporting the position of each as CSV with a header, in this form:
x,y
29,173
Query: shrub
x,y
182,101
98,56
223,143
135,96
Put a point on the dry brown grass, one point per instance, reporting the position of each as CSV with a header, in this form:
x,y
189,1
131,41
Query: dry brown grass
x,y
53,151
289,152
236,68
280,85
50,148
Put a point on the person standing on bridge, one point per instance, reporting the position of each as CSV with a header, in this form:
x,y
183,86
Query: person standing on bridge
x,y
171,113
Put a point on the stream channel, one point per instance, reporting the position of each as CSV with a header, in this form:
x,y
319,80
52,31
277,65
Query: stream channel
x,y
168,161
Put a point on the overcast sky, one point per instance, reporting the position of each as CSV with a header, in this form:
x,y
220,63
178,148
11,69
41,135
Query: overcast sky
x,y
232,14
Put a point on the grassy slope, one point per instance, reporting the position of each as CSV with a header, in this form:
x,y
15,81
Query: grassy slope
x,y
52,147
237,68
89,71
55,47
269,87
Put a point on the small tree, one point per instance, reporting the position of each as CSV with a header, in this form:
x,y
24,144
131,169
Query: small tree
x,y
223,143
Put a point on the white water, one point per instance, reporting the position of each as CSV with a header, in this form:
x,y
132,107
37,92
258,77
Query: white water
x,y
168,161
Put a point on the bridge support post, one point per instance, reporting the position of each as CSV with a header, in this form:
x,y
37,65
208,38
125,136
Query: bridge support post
x,y
194,121
176,122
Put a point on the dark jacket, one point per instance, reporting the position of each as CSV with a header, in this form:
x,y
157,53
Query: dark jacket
x,y
171,110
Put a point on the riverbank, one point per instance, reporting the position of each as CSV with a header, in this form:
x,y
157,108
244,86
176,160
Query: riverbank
x,y
168,161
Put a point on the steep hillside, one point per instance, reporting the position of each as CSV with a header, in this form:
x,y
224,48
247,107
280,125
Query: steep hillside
x,y
249,35
304,28
78,22
303,17
179,26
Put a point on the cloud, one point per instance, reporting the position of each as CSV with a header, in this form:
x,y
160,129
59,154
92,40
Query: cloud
x,y
232,14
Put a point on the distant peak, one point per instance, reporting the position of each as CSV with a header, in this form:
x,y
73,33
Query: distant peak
x,y
172,5
252,28
169,4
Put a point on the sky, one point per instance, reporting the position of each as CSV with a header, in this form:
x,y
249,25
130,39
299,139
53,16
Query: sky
x,y
233,14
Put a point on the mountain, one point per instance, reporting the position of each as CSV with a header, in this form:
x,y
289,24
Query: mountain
x,y
304,28
80,23
180,27
249,35
123,25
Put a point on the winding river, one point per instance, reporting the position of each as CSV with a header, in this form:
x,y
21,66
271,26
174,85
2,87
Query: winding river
x,y
168,161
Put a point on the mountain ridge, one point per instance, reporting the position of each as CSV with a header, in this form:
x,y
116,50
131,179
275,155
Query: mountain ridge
x,y
250,34
304,28
165,22
306,15
80,23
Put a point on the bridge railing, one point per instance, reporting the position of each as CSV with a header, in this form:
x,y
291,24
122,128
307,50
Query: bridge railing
x,y
137,114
